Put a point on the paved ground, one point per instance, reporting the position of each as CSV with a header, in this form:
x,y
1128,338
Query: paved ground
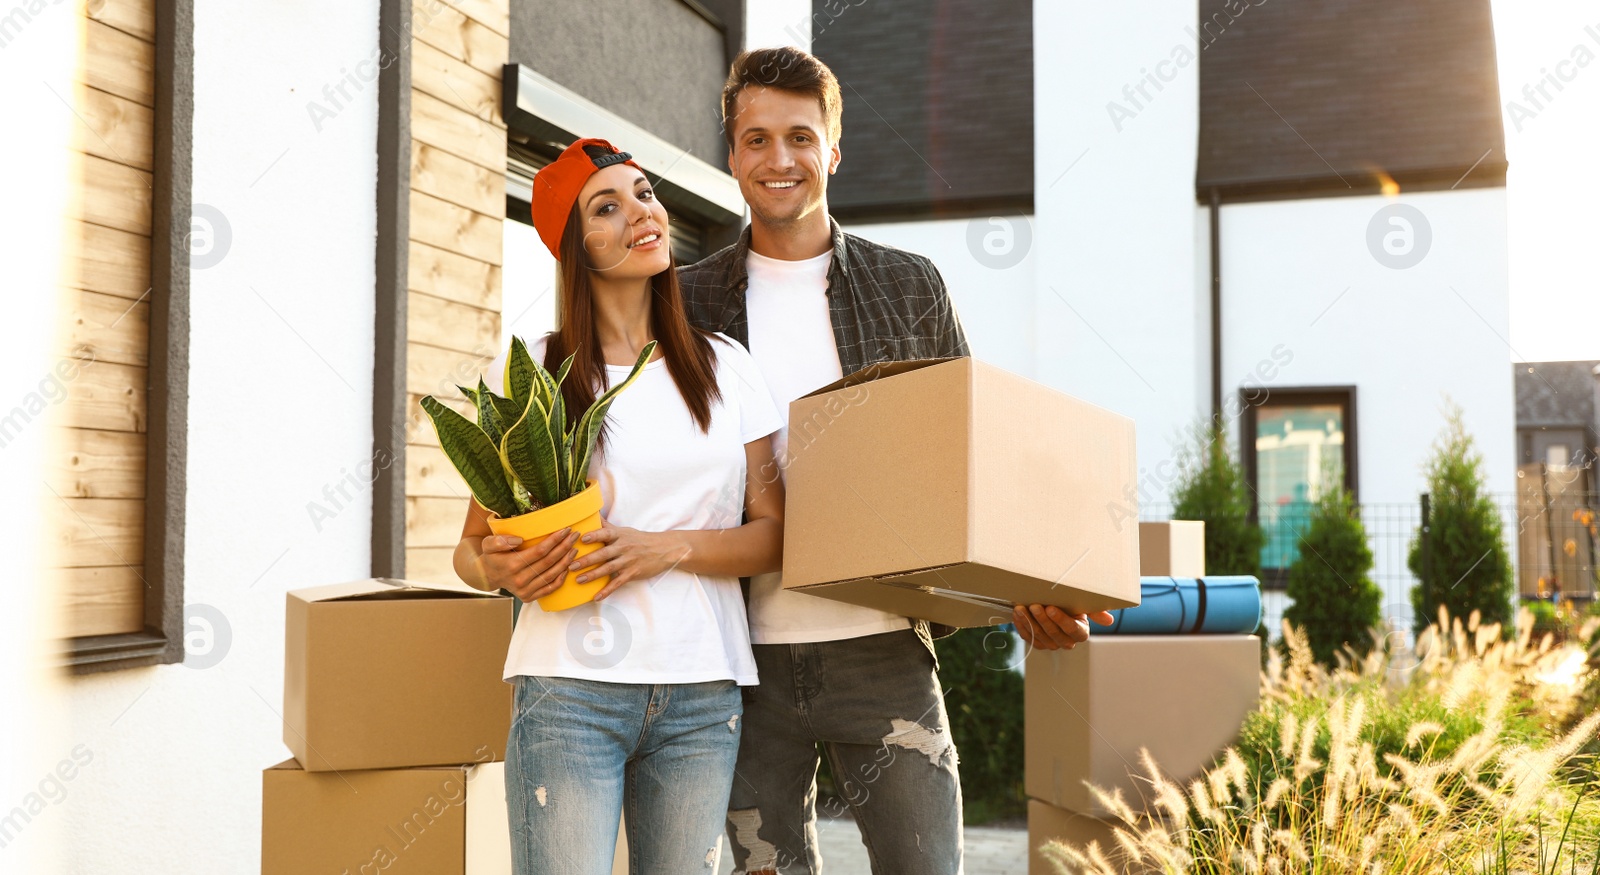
x,y
990,850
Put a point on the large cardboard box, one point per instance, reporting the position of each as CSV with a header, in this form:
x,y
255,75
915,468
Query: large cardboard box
x,y
1048,823
382,674
440,820
1176,548
1089,710
425,821
949,490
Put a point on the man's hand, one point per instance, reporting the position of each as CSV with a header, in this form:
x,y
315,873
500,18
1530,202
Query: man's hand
x,y
628,554
528,574
1049,628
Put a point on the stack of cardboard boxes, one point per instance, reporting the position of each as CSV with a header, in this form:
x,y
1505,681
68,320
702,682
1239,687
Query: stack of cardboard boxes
x,y
397,717
1090,711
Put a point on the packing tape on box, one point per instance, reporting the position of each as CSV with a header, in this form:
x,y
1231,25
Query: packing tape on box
x,y
1220,605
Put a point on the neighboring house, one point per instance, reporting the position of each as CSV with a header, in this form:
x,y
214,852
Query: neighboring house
x,y
1289,215
1558,416
1558,440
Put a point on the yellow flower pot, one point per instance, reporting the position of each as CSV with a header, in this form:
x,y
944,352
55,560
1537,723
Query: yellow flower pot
x,y
582,513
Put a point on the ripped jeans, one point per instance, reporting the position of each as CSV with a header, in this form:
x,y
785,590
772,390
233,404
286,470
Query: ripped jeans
x,y
875,705
581,752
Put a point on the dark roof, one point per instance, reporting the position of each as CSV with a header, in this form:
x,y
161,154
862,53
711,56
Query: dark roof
x,y
1296,95
938,105
1556,393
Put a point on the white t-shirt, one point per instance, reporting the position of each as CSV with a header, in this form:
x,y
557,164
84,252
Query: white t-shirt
x,y
791,339
659,472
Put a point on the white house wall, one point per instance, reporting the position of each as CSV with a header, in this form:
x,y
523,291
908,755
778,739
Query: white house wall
x,y
1114,312
1298,275
280,401
1300,283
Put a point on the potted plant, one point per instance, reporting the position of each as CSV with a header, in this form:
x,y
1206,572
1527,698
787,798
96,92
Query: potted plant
x,y
523,462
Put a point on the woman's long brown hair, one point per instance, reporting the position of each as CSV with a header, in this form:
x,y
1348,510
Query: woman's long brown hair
x,y
687,350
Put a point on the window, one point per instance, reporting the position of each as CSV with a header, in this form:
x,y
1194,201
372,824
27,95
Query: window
x,y
118,467
1296,445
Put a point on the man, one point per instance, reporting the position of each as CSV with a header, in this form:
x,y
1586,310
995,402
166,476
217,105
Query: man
x,y
813,303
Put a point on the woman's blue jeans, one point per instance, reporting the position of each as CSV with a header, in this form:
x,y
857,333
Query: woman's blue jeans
x,y
581,753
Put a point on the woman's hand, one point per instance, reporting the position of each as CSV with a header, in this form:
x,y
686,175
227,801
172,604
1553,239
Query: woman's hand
x,y
628,554
528,574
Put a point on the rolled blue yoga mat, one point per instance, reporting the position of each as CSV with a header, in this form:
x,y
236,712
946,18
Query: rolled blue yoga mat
x,y
1218,605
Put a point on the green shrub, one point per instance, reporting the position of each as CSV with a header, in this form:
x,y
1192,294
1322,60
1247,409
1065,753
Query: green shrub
x,y
1438,759
1211,488
1332,595
1465,566
983,695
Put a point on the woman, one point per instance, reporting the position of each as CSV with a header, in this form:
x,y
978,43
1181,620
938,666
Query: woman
x,y
633,702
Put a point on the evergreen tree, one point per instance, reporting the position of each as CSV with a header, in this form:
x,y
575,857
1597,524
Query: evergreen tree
x,y
1330,588
1211,488
1466,566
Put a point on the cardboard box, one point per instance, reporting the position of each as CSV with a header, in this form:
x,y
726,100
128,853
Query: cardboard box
x,y
383,674
1048,823
1089,710
949,490
1176,548
429,821
426,821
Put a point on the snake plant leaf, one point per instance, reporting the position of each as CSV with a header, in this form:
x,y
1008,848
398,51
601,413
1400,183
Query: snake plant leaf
x,y
506,409
520,377
529,452
488,416
474,456
565,367
550,397
472,394
588,430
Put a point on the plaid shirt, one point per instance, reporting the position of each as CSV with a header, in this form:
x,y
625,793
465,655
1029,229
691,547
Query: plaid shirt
x,y
886,305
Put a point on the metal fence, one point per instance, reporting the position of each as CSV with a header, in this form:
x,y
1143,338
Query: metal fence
x,y
1552,546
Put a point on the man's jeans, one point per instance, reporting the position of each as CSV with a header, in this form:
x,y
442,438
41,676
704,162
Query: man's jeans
x,y
579,749
875,705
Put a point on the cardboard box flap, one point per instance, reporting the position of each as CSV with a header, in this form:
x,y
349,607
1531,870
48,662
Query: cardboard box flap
x,y
385,588
878,372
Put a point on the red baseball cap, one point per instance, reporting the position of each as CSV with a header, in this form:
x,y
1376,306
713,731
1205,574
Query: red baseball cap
x,y
556,187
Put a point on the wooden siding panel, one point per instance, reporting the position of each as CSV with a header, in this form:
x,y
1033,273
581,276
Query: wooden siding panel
x,y
101,600
444,274
430,474
88,463
458,36
447,226
111,194
449,325
434,522
119,63
133,17
94,531
106,260
431,565
434,371
106,328
105,395
457,131
111,127
461,182
456,82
